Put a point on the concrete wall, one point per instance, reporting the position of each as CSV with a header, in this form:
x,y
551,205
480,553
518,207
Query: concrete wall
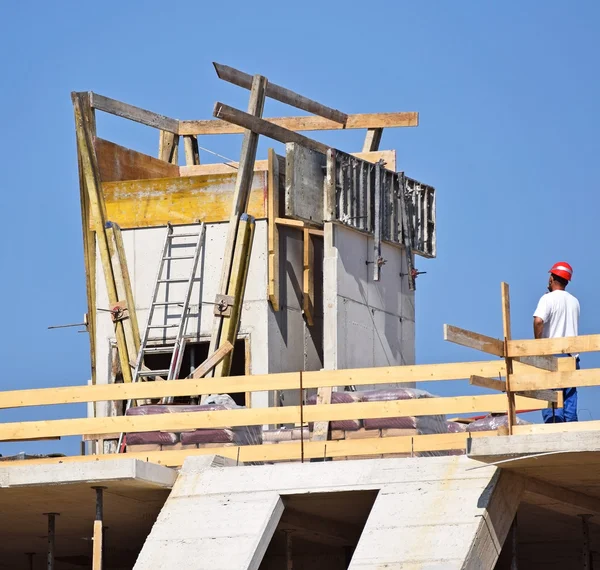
x,y
143,248
367,323
293,345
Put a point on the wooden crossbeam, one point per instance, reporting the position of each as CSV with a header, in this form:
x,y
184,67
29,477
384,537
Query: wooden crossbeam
x,y
506,326
548,363
491,383
500,385
263,382
265,128
578,378
133,113
258,416
307,123
473,340
289,451
281,94
548,346
212,361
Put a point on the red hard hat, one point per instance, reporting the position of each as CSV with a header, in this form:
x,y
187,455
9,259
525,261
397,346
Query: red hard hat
x,y
562,269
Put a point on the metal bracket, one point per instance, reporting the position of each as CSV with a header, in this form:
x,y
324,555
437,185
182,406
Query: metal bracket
x,y
117,313
223,305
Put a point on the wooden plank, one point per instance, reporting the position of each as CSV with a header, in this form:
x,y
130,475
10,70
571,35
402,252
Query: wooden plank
x,y
321,429
239,204
473,340
236,289
124,289
584,502
97,546
289,451
549,346
575,378
149,203
133,113
388,157
547,395
272,229
308,280
260,383
220,168
500,503
306,123
117,163
512,414
212,360
282,94
593,425
84,124
89,259
372,140
500,385
192,153
168,147
261,416
265,128
491,383
548,363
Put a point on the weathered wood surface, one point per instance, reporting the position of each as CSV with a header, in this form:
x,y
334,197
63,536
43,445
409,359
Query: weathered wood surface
x,y
549,346
154,202
265,128
116,162
281,94
258,416
133,113
473,340
273,230
307,123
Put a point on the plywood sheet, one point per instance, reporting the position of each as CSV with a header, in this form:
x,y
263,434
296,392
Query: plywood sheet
x,y
185,200
116,162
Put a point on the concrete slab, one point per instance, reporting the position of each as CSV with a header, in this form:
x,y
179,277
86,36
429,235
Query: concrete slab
x,y
135,491
437,505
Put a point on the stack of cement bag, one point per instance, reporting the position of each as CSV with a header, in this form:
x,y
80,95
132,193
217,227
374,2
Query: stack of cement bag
x,y
193,438
372,428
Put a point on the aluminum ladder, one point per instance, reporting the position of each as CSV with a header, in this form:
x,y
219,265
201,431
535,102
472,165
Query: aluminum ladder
x,y
177,347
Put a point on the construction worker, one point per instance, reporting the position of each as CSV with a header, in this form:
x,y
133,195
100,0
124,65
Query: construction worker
x,y
557,315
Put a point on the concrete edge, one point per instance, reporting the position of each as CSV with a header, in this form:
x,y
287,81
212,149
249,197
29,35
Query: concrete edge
x,y
92,471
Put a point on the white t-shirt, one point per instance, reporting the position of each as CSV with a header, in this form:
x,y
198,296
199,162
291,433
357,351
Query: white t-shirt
x,y
560,312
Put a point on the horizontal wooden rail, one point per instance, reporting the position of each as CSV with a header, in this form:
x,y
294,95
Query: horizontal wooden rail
x,y
256,383
289,451
262,416
575,378
549,346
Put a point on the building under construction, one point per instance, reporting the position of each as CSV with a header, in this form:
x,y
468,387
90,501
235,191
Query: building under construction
x,y
254,400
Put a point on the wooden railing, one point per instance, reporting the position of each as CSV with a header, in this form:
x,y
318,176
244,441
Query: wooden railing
x,y
525,377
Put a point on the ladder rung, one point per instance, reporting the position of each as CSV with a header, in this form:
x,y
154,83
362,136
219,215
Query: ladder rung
x,y
163,326
183,235
159,372
159,349
178,257
173,280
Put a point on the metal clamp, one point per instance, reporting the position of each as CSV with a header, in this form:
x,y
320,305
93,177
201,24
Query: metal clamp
x,y
223,305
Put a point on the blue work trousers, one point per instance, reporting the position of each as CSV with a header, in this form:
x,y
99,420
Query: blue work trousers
x,y
568,413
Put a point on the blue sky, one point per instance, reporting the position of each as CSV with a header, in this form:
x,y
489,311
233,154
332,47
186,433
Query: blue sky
x,y
507,94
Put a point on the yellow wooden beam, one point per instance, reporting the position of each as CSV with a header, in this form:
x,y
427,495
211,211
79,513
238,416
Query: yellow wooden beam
x,y
308,278
282,381
549,346
473,340
273,230
288,451
263,416
306,123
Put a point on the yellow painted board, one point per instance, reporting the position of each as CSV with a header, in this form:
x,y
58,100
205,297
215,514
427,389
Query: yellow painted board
x,y
185,200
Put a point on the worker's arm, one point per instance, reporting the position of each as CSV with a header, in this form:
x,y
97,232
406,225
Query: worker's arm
x,y
538,327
